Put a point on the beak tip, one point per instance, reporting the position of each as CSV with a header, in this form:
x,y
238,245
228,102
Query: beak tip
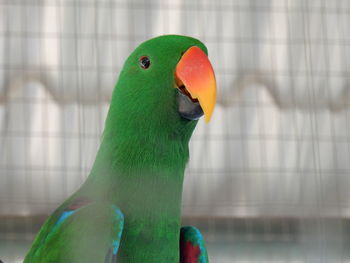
x,y
207,118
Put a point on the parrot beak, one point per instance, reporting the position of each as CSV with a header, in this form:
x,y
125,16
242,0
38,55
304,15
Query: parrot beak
x,y
195,79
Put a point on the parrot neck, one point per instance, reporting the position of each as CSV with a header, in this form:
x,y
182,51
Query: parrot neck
x,y
138,158
136,154
143,175
140,169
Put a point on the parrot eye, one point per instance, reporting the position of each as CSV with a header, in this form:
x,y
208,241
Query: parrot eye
x,y
145,62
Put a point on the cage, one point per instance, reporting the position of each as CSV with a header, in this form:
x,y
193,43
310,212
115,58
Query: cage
x,y
268,177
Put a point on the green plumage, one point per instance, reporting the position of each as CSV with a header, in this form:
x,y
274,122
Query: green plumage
x,y
139,169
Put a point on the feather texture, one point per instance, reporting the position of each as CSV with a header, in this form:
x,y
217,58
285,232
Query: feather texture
x,y
137,175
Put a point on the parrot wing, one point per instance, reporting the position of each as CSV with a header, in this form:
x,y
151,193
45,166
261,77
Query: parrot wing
x,y
192,247
83,231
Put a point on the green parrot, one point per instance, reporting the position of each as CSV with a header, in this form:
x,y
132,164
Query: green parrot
x,y
129,208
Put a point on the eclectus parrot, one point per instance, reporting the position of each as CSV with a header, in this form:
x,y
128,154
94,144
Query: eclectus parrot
x,y
129,208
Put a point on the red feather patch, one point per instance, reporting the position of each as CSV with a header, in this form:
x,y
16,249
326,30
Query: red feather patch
x,y
189,253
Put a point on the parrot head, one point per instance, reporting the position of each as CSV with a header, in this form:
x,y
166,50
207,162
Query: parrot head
x,y
167,82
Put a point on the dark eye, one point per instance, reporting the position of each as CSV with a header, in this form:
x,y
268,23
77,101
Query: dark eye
x,y
145,62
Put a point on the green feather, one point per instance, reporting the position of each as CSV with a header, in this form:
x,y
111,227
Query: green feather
x,y
85,236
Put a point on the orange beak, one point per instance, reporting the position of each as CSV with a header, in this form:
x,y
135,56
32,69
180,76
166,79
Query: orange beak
x,y
195,72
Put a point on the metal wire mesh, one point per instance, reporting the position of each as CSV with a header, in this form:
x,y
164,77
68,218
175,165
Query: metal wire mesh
x,y
268,178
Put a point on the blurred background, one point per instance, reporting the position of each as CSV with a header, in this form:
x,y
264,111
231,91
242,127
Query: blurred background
x,y
268,178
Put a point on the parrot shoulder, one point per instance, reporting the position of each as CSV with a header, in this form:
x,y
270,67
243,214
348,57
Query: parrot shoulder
x,y
81,230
